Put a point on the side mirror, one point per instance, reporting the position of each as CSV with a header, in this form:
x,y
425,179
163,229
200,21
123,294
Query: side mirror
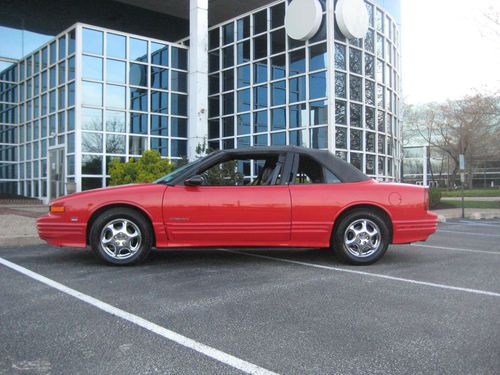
x,y
195,180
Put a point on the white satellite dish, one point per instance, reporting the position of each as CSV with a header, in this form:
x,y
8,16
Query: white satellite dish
x,y
352,18
303,19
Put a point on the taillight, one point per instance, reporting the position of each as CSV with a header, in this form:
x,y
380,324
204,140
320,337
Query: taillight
x,y
426,199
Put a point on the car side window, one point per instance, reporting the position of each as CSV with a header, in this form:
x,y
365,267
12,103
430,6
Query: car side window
x,y
311,172
256,171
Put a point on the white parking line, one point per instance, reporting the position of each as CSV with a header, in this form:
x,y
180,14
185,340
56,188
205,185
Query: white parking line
x,y
213,353
469,233
456,249
378,275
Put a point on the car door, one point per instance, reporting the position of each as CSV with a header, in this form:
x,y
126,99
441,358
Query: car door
x,y
235,215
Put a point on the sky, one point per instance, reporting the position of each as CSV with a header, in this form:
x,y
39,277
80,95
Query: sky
x,y
448,49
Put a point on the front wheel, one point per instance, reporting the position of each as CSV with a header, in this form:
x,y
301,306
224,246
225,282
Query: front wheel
x,y
121,236
361,238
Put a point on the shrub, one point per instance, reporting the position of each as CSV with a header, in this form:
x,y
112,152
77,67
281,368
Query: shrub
x,y
148,168
434,197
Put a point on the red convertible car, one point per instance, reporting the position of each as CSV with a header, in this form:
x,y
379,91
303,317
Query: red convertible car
x,y
262,196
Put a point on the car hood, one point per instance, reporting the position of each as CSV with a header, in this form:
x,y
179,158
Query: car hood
x,y
115,189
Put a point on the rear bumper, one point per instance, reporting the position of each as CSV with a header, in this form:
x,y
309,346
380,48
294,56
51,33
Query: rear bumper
x,y
56,231
406,231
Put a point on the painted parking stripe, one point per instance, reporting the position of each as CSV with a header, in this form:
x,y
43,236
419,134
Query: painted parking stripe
x,y
468,233
213,353
370,274
456,249
481,224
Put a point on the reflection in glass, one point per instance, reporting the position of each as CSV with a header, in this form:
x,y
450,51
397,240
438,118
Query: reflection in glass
x,y
159,78
92,67
159,125
116,45
355,60
243,100
159,54
115,144
340,112
340,137
137,145
138,50
319,112
160,145
179,104
115,71
228,33
340,57
340,84
278,39
319,137
243,28
179,81
115,121
260,72
297,62
91,142
317,85
370,142
278,93
91,42
179,58
297,89
278,118
138,123
178,127
91,164
243,76
260,97
138,99
159,102
138,75
318,57
92,93
259,47
370,118
260,22
243,52
91,119
115,96
355,88
228,56
260,122
243,124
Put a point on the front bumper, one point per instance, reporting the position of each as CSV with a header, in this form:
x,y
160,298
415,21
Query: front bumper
x,y
57,231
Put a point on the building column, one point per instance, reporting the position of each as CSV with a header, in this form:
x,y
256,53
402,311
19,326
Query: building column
x,y
198,75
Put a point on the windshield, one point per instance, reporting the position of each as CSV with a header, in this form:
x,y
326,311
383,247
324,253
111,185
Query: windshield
x,y
172,175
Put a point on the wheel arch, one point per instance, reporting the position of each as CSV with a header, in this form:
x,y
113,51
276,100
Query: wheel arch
x,y
108,207
384,214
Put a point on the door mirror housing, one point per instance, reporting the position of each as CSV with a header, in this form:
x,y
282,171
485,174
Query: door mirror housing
x,y
195,180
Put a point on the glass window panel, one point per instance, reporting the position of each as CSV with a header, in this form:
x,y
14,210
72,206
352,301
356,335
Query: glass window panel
x,y
159,125
159,54
278,67
179,81
213,106
381,144
115,71
71,68
71,94
52,82
370,142
381,121
228,80
340,137
178,127
115,121
62,47
137,145
243,76
243,52
228,103
278,93
228,126
357,160
319,137
260,22
228,33
260,47
228,56
278,118
61,75
260,140
356,115
319,112
318,57
179,58
260,122
92,93
243,124
340,84
244,100
317,85
61,96
91,119
159,78
277,15
115,96
138,50
278,139
138,123
369,92
138,99
369,41
355,60
260,97
340,57
213,38
89,183
381,165
243,27
278,39
297,62
297,138
179,148
321,33
380,96
370,117
115,143
298,116
355,89
92,67
380,45
213,84
297,89
213,61
370,164
260,72
91,164
159,102
116,45
138,75
213,129
369,68
179,105
71,119
91,142
340,112
160,145
91,42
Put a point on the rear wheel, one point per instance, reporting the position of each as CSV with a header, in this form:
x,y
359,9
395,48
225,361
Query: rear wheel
x,y
361,237
121,236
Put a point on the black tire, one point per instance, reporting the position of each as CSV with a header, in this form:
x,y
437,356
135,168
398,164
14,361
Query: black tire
x,y
344,232
135,222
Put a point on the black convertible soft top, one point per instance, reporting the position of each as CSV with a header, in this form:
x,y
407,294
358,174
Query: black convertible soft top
x,y
344,171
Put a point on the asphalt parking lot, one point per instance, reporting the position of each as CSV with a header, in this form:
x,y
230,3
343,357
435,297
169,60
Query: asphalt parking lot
x,y
432,307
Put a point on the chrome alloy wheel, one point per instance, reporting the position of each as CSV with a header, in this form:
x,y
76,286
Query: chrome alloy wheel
x,y
121,238
362,238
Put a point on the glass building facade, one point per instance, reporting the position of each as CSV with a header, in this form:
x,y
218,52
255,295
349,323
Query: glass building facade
x,y
91,94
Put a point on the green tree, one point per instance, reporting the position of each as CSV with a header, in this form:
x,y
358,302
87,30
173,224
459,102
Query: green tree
x,y
148,168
